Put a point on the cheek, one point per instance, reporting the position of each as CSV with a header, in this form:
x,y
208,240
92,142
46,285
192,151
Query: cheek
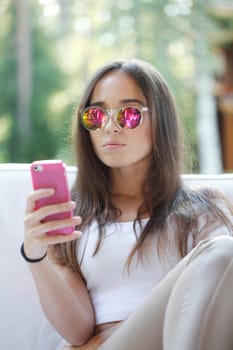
x,y
141,143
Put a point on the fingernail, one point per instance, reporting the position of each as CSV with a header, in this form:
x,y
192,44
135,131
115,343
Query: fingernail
x,y
78,233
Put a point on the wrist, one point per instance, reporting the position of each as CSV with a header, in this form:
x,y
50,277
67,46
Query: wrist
x,y
30,260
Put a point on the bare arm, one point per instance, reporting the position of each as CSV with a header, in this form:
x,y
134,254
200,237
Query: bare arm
x,y
97,340
65,301
63,296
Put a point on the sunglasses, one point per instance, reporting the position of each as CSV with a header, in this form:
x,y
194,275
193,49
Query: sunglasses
x,y
129,117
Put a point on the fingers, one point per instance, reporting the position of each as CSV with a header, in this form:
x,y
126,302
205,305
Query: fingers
x,y
36,238
56,239
39,214
38,228
35,195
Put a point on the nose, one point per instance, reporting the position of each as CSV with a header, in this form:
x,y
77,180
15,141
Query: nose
x,y
111,124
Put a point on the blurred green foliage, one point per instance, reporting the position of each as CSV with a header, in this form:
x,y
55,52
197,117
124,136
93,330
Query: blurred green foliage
x,y
70,39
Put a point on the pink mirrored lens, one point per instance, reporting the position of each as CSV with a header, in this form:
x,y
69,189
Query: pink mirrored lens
x,y
129,117
93,118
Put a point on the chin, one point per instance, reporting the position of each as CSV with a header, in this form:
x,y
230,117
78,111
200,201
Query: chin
x,y
114,163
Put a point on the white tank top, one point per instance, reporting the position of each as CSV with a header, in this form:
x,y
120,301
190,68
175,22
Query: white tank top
x,y
115,293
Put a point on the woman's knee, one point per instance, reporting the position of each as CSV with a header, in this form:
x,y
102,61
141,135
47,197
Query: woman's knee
x,y
224,245
201,288
218,250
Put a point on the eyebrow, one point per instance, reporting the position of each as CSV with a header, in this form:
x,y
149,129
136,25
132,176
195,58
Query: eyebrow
x,y
123,102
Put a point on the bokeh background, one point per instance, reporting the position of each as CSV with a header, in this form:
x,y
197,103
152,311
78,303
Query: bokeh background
x,y
49,48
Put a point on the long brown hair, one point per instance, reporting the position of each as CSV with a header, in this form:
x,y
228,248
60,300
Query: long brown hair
x,y
164,193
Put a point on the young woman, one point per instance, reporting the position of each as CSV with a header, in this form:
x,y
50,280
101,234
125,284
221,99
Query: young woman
x,y
153,267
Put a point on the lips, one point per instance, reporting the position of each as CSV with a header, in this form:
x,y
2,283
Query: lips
x,y
113,144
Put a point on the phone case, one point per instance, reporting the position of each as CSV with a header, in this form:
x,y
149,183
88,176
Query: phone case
x,y
52,174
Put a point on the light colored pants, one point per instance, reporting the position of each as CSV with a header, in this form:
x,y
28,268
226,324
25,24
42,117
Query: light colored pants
x,y
191,309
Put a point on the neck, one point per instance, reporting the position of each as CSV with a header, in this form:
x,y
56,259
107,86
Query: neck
x,y
127,182
127,190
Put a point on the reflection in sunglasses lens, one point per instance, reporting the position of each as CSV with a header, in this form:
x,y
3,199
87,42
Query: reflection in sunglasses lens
x,y
129,118
93,118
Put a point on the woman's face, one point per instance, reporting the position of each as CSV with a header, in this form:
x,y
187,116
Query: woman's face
x,y
115,147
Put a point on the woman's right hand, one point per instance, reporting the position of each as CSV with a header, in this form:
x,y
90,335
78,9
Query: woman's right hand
x,y
36,239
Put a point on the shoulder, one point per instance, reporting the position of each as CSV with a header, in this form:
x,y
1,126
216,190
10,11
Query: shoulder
x,y
202,206
202,197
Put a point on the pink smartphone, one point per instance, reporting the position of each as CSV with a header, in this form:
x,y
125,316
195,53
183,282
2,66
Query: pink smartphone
x,y
52,174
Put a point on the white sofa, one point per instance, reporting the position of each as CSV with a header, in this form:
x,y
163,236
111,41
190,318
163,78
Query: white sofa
x,y
23,325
